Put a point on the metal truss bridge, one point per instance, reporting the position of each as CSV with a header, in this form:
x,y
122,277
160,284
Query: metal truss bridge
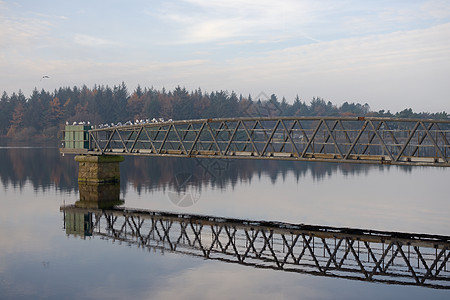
x,y
357,139
355,254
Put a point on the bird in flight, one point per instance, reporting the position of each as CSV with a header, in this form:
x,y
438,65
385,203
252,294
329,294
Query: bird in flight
x,y
45,76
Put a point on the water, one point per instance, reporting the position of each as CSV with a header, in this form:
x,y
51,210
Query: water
x,y
39,260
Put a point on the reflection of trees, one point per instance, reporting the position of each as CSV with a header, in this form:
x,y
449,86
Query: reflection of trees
x,y
148,173
45,167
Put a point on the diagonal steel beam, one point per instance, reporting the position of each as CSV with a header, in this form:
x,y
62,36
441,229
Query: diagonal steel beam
x,y
410,268
333,255
121,139
136,139
381,139
269,140
394,139
252,130
290,139
408,140
251,243
329,135
216,135
265,133
332,137
355,141
286,138
232,243
179,139
210,130
150,140
312,138
436,147
225,152
311,251
356,256
290,247
267,242
380,261
433,265
109,140
441,133
197,137
165,138
92,135
443,264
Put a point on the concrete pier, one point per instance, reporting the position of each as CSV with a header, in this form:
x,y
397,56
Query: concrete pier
x,y
98,181
98,169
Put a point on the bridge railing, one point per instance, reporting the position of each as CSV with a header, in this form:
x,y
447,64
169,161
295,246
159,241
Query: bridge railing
x,y
376,140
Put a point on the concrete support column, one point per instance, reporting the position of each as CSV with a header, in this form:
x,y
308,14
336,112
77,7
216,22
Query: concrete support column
x,y
98,181
98,169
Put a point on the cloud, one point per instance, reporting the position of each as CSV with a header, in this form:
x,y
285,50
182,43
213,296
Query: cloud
x,y
230,22
285,47
439,9
22,34
407,66
92,41
222,21
237,282
213,30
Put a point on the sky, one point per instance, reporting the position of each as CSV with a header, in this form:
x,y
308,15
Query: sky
x,y
390,54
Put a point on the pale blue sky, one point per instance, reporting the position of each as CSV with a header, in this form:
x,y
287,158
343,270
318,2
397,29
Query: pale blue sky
x,y
390,54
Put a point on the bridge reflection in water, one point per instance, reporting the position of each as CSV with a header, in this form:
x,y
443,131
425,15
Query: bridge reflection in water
x,y
357,254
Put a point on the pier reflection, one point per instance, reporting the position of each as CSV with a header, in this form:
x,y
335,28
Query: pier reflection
x,y
355,254
105,195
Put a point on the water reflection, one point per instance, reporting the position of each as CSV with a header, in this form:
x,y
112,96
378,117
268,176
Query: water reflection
x,y
42,166
39,260
356,254
104,195
45,167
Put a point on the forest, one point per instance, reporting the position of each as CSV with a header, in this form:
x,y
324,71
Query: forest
x,y
43,114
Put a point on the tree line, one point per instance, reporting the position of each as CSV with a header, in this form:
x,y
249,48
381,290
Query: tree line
x,y
44,113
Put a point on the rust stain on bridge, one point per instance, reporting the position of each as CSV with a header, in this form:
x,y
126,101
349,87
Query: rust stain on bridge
x,y
356,140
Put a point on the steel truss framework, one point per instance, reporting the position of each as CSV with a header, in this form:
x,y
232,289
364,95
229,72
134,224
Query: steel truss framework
x,y
367,255
362,140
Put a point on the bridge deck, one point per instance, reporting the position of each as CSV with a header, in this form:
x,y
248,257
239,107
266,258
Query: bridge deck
x,y
358,140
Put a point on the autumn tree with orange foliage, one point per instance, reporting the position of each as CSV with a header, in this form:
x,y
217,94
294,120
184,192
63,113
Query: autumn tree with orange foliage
x,y
17,120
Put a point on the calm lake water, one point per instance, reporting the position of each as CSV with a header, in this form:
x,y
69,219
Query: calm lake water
x,y
41,259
